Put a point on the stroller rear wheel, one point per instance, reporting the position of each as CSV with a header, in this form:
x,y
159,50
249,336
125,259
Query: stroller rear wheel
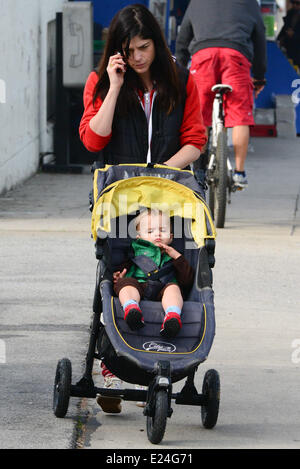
x,y
62,387
211,393
156,423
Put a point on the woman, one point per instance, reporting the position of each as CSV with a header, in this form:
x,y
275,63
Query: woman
x,y
140,107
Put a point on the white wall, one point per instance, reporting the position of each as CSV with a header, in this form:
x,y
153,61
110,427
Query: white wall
x,y
24,131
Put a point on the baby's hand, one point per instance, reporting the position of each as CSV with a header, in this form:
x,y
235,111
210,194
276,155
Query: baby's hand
x,y
118,275
168,250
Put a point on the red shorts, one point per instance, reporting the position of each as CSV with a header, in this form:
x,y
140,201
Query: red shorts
x,y
228,66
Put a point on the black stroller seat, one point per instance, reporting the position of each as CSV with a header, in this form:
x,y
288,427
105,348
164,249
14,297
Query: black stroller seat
x,y
133,355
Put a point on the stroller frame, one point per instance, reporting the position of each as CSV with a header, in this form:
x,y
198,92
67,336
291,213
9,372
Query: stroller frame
x,y
159,396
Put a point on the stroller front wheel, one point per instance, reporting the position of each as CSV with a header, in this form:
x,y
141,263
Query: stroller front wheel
x,y
156,423
211,393
62,387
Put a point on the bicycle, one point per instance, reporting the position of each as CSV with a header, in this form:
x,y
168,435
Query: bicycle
x,y
219,170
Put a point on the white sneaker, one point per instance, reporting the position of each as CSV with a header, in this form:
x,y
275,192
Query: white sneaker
x,y
111,405
240,181
141,388
112,382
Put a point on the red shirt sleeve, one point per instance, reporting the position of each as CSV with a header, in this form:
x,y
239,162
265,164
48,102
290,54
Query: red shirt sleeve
x,y
192,131
92,141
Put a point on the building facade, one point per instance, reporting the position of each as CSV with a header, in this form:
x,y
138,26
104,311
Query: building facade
x,y
26,51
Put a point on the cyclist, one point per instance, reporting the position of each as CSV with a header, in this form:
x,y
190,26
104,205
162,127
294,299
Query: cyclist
x,y
225,39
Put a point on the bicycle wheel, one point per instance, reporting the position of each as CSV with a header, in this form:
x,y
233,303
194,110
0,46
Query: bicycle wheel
x,y
156,424
218,185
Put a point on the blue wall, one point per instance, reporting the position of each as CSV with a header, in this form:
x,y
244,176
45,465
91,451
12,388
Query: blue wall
x,y
104,10
280,76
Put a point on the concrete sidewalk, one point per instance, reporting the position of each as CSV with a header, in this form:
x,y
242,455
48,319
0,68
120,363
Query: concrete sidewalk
x,y
47,284
257,315
273,170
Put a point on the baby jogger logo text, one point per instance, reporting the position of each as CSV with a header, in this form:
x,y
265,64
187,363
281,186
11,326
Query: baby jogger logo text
x,y
159,347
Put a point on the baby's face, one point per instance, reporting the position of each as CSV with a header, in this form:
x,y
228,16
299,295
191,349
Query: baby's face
x,y
155,228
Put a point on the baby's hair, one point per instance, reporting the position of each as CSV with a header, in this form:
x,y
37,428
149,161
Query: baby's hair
x,y
144,212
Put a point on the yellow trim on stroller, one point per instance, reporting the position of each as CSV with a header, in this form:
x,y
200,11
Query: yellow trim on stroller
x,y
140,165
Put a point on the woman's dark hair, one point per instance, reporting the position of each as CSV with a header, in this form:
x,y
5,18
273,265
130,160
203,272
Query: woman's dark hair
x,y
137,20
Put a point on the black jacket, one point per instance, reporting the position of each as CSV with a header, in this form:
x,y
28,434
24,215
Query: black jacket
x,y
130,142
236,24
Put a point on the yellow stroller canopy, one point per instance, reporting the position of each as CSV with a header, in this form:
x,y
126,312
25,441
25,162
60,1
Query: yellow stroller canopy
x,y
128,196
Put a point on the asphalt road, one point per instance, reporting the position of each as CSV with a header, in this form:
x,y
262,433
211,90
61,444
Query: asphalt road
x,y
46,290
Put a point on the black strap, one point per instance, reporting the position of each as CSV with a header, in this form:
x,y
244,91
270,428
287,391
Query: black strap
x,y
152,271
146,264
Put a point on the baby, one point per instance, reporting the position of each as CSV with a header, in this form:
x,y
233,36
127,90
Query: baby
x,y
130,282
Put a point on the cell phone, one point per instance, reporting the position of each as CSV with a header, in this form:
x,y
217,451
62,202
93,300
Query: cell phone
x,y
119,70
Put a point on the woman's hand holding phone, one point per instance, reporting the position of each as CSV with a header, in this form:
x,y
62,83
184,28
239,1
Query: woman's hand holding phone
x,y
116,70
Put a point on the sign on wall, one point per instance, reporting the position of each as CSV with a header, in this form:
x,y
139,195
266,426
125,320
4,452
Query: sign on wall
x,y
77,43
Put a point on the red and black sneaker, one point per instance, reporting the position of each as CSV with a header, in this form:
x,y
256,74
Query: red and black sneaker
x,y
133,317
171,325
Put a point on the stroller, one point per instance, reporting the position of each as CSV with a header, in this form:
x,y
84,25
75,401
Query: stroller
x,y
143,357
